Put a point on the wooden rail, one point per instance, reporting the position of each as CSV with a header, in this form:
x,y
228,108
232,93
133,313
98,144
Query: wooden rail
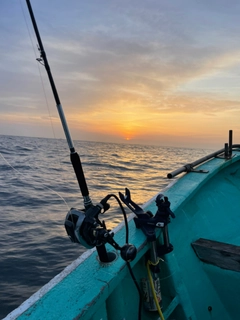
x,y
223,255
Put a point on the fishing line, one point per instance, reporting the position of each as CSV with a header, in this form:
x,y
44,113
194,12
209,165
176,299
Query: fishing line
x,y
27,175
39,70
42,82
28,28
169,275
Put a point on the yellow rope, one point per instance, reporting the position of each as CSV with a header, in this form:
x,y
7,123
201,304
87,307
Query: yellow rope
x,y
153,289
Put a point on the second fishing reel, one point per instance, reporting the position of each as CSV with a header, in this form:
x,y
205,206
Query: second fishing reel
x,y
84,227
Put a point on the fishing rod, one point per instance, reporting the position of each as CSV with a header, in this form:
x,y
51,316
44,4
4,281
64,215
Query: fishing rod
x,y
74,156
84,226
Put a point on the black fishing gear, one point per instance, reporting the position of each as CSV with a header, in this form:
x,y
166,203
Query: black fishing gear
x,y
148,222
84,227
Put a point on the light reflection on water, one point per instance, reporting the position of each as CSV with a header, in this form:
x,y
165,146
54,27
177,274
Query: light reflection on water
x,y
36,195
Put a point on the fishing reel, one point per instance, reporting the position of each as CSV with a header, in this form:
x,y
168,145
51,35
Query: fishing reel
x,y
85,228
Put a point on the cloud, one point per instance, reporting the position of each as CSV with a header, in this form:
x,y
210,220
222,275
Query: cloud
x,y
132,61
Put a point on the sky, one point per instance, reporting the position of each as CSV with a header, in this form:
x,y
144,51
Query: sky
x,y
164,72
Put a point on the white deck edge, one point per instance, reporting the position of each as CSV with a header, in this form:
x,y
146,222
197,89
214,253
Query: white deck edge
x,y
47,287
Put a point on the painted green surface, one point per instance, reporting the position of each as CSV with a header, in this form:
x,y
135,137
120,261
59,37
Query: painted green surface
x,y
211,212
206,206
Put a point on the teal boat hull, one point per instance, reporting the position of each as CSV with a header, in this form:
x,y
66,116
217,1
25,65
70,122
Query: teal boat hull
x,y
206,205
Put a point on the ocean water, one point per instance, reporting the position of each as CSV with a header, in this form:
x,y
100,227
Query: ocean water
x,y
38,187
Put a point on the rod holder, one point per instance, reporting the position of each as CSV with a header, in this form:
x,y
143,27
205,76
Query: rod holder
x,y
102,253
230,142
226,150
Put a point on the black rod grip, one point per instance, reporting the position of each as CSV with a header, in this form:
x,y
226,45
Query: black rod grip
x,y
77,166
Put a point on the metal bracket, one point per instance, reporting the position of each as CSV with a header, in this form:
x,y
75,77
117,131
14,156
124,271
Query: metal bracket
x,y
223,156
